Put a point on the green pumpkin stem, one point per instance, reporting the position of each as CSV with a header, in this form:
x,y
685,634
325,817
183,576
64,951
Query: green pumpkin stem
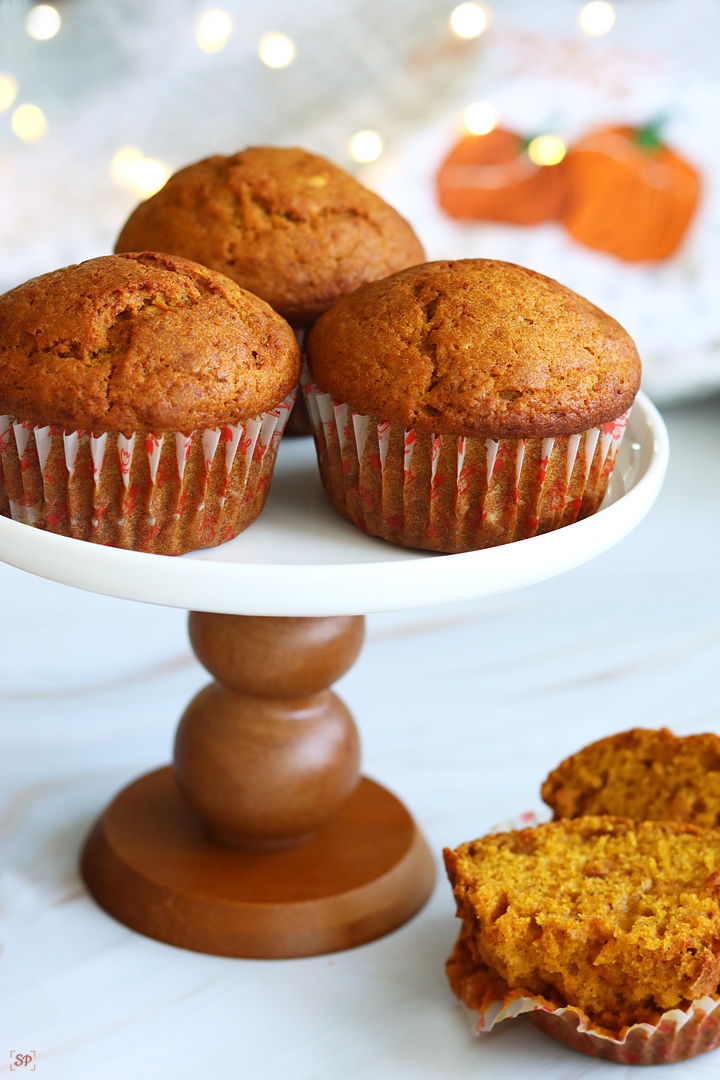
x,y
649,136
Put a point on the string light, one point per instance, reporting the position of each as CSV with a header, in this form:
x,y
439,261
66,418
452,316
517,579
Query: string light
x,y
366,146
469,20
213,30
8,90
148,176
144,174
546,150
597,18
480,118
42,22
125,160
276,50
28,122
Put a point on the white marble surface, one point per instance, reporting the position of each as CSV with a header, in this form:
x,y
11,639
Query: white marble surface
x,y
463,709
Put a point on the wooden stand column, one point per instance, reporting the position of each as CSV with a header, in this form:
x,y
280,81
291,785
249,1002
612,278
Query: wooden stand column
x,y
262,840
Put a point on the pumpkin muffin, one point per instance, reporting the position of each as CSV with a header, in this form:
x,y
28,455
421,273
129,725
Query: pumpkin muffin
x,y
142,397
458,405
643,775
285,224
614,921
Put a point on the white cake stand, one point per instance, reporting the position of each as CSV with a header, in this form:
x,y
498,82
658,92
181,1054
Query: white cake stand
x,y
260,841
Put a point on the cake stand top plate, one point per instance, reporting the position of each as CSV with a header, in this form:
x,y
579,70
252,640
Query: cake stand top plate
x,y
301,558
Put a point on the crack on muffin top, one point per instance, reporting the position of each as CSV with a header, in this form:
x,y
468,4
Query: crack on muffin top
x,y
141,342
475,347
285,224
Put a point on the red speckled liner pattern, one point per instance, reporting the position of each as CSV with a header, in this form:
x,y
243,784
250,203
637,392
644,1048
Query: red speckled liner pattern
x,y
167,493
451,493
678,1035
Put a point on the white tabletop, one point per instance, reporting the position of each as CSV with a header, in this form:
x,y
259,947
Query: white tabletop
x,y
463,709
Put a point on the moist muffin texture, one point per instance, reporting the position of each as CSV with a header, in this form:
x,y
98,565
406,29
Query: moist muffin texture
x,y
475,347
641,774
285,224
142,342
620,920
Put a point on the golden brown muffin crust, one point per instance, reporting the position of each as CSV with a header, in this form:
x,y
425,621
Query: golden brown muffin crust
x,y
621,920
287,225
141,342
641,774
475,347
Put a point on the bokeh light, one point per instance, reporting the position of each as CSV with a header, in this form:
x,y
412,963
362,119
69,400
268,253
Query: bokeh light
x,y
213,29
28,122
147,176
8,90
125,160
366,146
546,150
276,50
480,118
597,18
42,22
143,174
469,20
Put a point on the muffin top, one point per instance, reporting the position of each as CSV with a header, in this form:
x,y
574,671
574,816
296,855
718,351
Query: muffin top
x,y
288,225
141,343
475,347
641,774
619,919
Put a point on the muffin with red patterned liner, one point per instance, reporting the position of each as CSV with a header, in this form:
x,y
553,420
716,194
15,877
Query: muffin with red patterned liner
x,y
286,224
142,398
605,930
459,405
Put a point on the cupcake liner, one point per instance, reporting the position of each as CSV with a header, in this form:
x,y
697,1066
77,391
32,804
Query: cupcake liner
x,y
301,333
299,421
677,1035
454,493
166,493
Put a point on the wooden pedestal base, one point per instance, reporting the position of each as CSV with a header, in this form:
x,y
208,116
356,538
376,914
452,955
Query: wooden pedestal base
x,y
262,840
152,864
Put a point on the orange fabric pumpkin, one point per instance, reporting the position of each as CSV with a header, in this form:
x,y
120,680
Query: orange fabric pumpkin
x,y
491,177
629,194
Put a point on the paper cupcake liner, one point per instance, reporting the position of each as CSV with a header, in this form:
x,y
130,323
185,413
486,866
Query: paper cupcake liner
x,y
453,493
299,421
166,493
677,1035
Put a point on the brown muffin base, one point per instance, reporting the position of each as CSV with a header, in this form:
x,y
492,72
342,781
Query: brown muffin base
x,y
165,494
452,493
